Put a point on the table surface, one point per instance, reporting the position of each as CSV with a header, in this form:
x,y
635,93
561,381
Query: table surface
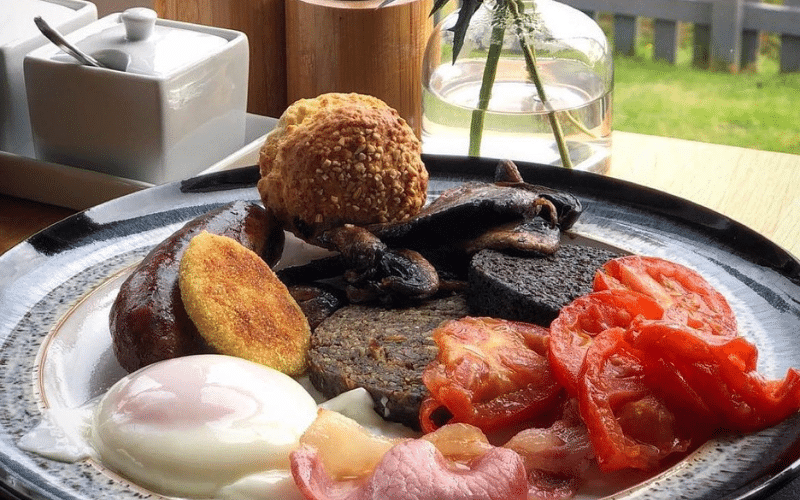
x,y
757,188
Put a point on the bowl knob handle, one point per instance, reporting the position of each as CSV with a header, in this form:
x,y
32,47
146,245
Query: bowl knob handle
x,y
139,23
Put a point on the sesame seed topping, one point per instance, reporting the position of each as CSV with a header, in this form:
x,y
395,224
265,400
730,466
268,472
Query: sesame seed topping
x,y
347,158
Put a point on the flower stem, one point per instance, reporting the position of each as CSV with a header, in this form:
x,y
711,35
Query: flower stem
x,y
529,53
487,82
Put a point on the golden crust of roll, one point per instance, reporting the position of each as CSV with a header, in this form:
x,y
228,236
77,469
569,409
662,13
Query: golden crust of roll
x,y
341,158
240,307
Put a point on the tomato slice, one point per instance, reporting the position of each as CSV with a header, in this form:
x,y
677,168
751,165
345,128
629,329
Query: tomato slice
x,y
683,399
489,373
723,374
629,425
571,333
686,297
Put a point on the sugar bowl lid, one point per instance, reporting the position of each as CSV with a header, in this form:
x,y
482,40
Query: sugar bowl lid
x,y
136,41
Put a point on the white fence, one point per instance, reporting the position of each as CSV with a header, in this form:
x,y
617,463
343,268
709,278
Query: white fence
x,y
725,34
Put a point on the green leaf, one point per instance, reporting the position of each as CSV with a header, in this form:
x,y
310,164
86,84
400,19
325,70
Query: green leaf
x,y
468,9
438,4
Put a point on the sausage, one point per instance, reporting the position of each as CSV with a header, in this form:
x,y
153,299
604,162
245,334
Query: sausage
x,y
147,320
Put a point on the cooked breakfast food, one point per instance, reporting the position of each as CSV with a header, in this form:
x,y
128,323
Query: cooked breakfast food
x,y
248,421
317,300
456,461
534,289
239,306
490,373
499,215
643,371
341,158
417,470
507,214
382,350
333,433
414,258
148,322
634,360
644,367
675,288
375,271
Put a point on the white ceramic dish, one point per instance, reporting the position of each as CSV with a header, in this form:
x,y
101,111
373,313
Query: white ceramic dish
x,y
80,189
18,37
176,96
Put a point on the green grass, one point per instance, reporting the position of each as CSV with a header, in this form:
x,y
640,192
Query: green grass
x,y
752,110
757,108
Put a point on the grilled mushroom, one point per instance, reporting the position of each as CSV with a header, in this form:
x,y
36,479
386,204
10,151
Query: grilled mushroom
x,y
405,259
465,214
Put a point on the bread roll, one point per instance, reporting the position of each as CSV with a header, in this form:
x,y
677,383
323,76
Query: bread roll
x,y
341,158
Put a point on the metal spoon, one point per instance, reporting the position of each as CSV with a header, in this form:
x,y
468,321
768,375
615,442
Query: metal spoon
x,y
56,37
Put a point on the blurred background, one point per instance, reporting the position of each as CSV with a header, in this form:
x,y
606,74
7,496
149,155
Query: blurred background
x,y
664,84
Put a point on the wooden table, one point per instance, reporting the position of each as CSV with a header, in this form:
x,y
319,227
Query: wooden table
x,y
758,189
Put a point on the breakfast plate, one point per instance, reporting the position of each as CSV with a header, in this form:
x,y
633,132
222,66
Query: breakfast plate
x,y
56,288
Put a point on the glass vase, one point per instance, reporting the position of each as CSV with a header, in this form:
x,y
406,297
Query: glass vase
x,y
574,66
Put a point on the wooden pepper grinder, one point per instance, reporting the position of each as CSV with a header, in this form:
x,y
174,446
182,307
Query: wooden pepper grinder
x,y
263,23
359,46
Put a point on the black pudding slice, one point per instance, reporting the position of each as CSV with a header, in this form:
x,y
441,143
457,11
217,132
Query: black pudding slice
x,y
532,288
382,350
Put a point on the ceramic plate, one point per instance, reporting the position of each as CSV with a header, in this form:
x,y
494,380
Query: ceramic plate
x,y
56,288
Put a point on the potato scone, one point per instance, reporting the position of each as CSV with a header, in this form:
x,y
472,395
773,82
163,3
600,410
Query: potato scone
x,y
147,320
240,307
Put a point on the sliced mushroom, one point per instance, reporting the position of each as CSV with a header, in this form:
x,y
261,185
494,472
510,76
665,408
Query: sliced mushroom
x,y
371,270
317,301
528,235
507,171
465,214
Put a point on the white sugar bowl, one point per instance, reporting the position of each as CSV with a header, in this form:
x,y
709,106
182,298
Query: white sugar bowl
x,y
171,102
18,36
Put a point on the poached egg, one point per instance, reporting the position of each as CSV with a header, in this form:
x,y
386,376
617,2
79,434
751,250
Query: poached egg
x,y
194,426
